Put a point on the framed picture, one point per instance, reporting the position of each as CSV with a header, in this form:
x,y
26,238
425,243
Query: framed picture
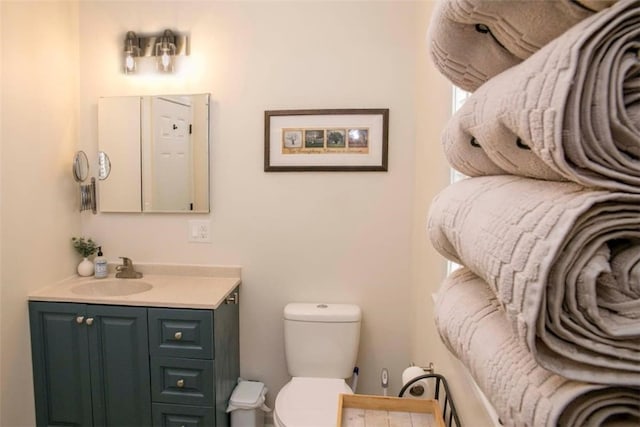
x,y
326,140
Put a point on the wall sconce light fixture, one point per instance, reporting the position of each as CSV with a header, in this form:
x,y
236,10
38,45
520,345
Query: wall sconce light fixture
x,y
164,48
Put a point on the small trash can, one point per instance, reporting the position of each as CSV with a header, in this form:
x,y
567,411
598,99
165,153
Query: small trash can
x,y
246,404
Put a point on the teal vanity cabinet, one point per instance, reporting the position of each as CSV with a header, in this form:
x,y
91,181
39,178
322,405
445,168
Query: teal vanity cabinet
x,y
116,365
90,364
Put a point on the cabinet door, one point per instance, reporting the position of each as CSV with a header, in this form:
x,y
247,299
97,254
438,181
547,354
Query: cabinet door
x,y
60,364
118,348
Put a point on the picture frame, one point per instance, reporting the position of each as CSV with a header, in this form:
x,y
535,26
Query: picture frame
x,y
326,140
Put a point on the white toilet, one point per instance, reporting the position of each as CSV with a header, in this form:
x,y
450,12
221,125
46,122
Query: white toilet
x,y
321,347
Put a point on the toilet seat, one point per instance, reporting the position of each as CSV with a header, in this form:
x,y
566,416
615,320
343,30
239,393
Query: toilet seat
x,y
309,402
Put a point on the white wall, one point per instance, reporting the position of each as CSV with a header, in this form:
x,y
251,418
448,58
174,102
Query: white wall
x,y
1,120
433,105
39,202
336,237
428,268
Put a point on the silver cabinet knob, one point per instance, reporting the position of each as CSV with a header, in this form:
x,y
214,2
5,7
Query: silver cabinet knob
x,y
89,321
79,319
177,336
180,383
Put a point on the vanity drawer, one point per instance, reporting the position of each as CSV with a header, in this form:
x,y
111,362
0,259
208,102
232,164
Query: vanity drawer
x,y
165,415
182,381
181,333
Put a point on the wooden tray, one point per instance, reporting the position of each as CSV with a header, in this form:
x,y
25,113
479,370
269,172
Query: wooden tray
x,y
360,410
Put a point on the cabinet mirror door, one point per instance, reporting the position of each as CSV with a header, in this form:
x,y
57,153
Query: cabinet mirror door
x,y
158,150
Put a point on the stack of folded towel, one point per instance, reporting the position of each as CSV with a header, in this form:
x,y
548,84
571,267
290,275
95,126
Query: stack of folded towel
x,y
545,311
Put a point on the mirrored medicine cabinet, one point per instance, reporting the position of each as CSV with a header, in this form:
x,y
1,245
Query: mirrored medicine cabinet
x,y
154,153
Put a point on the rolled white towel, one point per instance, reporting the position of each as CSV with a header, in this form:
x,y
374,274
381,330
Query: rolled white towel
x,y
475,328
569,112
471,41
563,260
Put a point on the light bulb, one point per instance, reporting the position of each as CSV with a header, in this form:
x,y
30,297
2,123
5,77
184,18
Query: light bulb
x,y
166,61
129,63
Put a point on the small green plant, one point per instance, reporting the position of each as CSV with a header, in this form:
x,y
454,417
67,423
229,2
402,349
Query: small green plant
x,y
84,247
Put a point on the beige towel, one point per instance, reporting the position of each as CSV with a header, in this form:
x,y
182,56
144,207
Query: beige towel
x,y
475,328
473,40
563,260
569,112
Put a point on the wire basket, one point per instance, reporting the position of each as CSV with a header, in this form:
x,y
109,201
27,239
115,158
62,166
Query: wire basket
x,y
441,394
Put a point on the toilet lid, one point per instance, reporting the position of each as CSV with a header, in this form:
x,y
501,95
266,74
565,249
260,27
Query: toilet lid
x,y
310,402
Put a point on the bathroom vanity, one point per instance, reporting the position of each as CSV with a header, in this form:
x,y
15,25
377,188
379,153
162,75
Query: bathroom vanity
x,y
165,355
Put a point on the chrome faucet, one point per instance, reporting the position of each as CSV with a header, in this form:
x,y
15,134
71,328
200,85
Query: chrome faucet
x,y
126,270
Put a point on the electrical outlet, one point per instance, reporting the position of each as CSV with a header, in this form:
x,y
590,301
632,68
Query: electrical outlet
x,y
199,231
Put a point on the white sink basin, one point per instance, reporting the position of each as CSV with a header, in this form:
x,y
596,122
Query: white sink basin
x,y
112,287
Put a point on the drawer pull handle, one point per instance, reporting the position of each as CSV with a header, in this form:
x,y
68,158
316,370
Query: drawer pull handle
x,y
79,319
89,321
177,336
180,383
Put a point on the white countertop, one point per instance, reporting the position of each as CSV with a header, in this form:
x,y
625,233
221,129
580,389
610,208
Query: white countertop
x,y
176,286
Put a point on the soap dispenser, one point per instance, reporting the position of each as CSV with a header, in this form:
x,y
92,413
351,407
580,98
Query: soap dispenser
x,y
100,264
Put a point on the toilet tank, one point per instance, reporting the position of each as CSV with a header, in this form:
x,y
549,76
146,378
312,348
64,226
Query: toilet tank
x,y
321,340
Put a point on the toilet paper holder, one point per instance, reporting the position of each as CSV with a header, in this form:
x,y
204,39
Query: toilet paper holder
x,y
430,369
418,388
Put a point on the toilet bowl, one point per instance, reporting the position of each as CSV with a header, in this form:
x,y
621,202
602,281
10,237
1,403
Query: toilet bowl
x,y
309,402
